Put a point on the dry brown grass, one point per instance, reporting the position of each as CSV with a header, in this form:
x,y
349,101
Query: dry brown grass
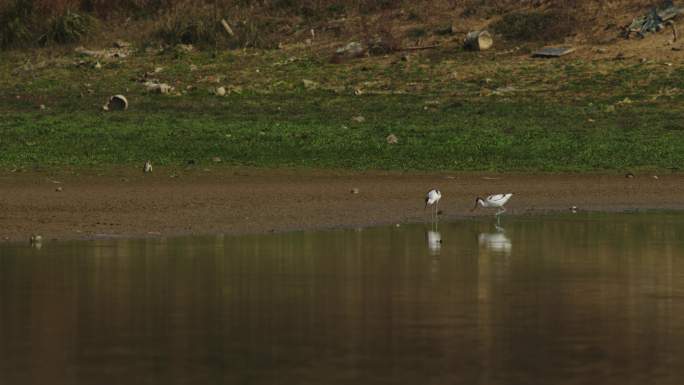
x,y
265,23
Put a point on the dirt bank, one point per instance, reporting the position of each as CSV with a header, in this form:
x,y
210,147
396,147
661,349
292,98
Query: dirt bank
x,y
167,203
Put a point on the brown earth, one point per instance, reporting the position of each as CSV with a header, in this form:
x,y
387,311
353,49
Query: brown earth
x,y
125,203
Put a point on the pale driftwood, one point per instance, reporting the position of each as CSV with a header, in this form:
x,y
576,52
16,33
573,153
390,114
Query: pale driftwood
x,y
227,28
478,40
553,51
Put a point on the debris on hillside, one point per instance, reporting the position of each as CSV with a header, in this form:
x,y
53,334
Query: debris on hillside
x,y
381,46
116,103
184,48
478,41
226,27
448,29
122,44
160,88
310,84
654,21
350,51
105,54
549,52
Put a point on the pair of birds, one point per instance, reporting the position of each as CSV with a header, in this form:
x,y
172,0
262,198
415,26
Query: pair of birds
x,y
493,201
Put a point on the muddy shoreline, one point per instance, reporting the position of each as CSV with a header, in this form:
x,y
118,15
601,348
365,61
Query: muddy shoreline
x,y
127,203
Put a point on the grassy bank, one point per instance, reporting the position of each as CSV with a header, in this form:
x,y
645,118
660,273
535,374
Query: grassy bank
x,y
449,111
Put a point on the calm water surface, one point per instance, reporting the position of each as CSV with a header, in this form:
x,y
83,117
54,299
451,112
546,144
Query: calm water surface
x,y
572,299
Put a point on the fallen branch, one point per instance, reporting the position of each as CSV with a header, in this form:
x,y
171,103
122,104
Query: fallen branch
x,y
419,48
227,28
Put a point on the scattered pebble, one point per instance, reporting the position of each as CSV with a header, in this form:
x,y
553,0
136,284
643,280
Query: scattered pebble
x,y
629,175
655,177
220,91
355,190
392,139
147,167
58,189
573,209
42,107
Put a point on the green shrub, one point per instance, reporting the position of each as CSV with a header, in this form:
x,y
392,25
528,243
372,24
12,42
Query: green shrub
x,y
69,27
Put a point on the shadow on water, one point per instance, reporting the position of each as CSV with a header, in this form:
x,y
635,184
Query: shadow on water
x,y
551,300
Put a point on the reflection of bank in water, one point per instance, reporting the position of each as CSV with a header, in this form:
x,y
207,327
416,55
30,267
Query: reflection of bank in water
x,y
434,241
497,241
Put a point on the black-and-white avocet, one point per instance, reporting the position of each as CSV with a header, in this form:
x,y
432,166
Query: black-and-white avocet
x,y
432,199
493,201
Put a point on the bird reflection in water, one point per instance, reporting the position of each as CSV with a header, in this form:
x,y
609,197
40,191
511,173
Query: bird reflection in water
x,y
496,241
434,241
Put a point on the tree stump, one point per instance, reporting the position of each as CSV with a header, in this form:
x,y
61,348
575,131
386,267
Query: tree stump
x,y
478,41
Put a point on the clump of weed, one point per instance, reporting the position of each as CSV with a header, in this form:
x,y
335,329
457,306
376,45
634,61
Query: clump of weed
x,y
417,32
188,24
15,23
535,26
379,35
257,32
68,27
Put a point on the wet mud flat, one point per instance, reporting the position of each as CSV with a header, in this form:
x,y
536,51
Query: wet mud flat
x,y
128,203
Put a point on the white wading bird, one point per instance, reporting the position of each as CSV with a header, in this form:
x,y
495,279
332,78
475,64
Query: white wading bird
x,y
432,199
498,200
